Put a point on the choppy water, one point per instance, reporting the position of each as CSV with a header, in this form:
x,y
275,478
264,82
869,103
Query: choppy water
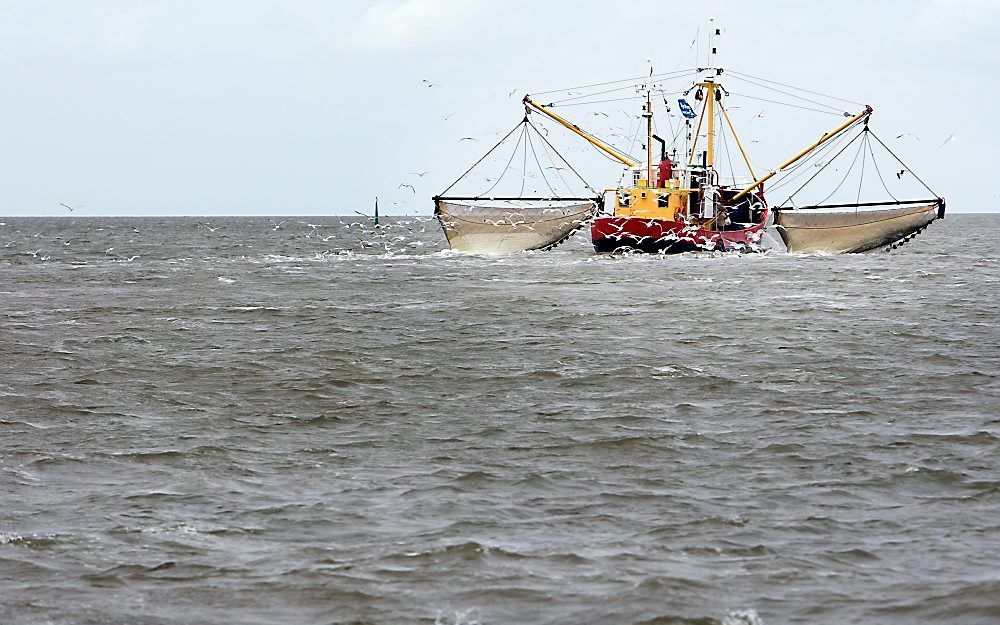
x,y
269,426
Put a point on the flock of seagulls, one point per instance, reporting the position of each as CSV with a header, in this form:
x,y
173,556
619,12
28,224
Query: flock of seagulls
x,y
948,139
375,236
394,235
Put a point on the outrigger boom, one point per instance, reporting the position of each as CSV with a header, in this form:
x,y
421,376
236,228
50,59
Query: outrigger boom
x,y
622,158
830,135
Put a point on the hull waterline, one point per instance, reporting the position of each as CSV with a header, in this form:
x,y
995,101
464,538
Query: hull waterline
x,y
660,236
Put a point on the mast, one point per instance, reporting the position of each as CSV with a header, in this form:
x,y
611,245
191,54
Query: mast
x,y
710,111
711,89
648,114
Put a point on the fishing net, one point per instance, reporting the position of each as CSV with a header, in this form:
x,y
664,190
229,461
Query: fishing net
x,y
856,231
512,225
530,206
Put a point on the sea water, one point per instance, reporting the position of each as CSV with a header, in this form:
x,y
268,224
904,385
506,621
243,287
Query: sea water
x,y
308,420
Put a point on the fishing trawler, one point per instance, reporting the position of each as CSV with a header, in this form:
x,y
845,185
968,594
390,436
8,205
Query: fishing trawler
x,y
680,201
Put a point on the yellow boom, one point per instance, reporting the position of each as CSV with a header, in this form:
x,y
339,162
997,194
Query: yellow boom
x,y
589,138
830,135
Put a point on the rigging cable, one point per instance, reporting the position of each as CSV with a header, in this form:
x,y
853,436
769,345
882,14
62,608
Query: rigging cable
x,y
788,94
813,177
796,106
823,95
864,159
879,172
540,169
725,143
618,82
499,143
591,95
684,57
613,100
555,167
597,93
818,154
903,164
846,175
680,129
670,116
633,123
524,169
524,127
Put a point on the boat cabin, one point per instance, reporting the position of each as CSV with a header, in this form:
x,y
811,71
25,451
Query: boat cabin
x,y
691,195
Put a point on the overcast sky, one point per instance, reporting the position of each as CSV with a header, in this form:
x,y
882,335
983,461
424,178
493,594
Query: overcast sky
x,y
251,107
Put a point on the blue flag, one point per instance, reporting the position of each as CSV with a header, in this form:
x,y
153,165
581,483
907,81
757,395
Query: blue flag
x,y
686,109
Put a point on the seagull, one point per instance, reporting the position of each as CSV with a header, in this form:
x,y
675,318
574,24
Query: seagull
x,y
108,251
900,174
948,140
908,134
448,116
419,174
277,225
467,139
208,227
429,83
68,206
512,92
407,186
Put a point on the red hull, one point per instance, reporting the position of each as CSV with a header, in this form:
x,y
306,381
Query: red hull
x,y
658,236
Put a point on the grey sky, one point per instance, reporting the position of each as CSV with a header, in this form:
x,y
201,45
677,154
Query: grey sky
x,y
306,107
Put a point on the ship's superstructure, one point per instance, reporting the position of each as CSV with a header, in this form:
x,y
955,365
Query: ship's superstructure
x,y
675,199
